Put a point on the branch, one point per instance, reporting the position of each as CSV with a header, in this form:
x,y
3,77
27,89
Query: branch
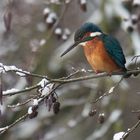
x,y
50,85
130,130
109,92
95,76
10,93
4,129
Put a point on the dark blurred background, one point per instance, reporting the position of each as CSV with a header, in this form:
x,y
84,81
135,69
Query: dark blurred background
x,y
30,40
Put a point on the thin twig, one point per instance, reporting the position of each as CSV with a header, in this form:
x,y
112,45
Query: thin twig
x,y
23,103
14,123
130,130
108,92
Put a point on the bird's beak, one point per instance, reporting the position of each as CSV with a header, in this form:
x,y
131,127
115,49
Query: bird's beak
x,y
76,44
70,48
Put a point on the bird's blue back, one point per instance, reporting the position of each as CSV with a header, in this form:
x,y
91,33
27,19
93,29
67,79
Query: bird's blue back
x,y
114,49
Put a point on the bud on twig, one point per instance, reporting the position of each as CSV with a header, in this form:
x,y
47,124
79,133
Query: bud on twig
x,y
51,19
136,3
46,12
32,112
49,104
66,34
134,19
58,32
101,118
92,112
53,99
83,5
33,115
56,107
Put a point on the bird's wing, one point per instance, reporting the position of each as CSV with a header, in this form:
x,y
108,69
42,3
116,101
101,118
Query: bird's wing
x,y
114,49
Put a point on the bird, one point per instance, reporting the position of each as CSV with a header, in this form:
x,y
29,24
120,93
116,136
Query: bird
x,y
103,52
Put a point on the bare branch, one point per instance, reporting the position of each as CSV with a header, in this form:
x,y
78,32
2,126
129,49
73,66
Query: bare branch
x,y
108,92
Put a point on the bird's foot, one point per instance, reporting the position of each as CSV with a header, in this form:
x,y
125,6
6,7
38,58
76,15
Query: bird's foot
x,y
97,71
109,74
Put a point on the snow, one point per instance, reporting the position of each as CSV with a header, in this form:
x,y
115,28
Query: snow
x,y
83,70
86,110
10,91
58,31
42,42
46,87
3,128
111,90
52,15
83,1
20,74
30,111
136,2
55,1
101,114
46,90
35,102
10,68
72,123
46,11
64,37
67,31
43,82
49,20
118,135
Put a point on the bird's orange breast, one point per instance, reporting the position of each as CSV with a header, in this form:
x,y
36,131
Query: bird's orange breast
x,y
98,57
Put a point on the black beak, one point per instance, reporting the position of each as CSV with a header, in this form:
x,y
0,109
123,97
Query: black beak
x,y
76,44
70,48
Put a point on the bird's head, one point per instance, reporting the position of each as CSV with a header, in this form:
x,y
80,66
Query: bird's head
x,y
88,29
85,33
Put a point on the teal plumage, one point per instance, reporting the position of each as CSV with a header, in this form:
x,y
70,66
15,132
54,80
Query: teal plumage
x,y
87,27
114,49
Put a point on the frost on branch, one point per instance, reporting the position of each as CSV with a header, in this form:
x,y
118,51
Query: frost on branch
x,y
10,91
30,111
118,136
3,128
111,90
35,102
20,72
45,87
43,82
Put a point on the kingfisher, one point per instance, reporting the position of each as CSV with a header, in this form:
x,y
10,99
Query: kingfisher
x,y
103,52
